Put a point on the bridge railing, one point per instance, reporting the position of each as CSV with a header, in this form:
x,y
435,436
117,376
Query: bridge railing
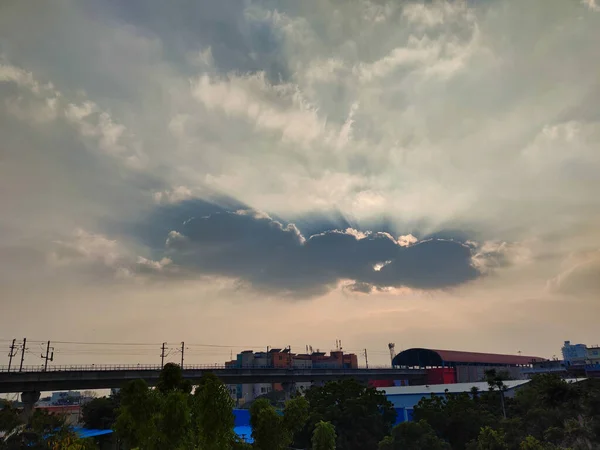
x,y
122,367
105,367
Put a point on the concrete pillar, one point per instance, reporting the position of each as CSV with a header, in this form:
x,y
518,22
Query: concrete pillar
x,y
289,388
29,399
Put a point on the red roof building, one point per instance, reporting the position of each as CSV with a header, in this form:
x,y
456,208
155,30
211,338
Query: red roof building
x,y
423,357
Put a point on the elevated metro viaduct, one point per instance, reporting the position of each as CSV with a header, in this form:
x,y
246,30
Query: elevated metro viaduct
x,y
31,382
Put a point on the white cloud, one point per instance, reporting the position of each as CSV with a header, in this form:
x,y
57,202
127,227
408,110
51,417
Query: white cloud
x,y
11,73
176,240
592,4
175,195
490,256
111,137
101,256
418,51
407,240
328,70
46,104
281,109
86,247
580,276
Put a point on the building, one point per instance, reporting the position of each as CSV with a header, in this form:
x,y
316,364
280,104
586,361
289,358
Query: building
x,y
574,354
71,413
582,360
65,398
554,366
450,366
277,358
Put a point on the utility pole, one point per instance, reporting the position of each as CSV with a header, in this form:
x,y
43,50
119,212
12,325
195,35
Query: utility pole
x,y
48,357
366,359
12,353
23,354
162,355
182,350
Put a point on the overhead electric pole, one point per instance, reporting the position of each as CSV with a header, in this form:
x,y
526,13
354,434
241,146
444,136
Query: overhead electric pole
x,y
48,357
366,359
182,350
12,353
23,354
162,355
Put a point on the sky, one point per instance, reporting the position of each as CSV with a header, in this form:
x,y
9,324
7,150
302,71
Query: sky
x,y
256,173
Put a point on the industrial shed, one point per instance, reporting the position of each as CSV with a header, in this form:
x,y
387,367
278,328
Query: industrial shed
x,y
451,366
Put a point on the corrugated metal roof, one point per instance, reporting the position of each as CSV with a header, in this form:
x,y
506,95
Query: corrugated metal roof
x,y
493,358
424,357
455,388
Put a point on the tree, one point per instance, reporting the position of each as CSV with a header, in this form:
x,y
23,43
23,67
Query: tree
x,y
71,442
295,416
273,431
171,379
496,381
413,436
170,416
324,436
267,426
362,416
100,413
456,418
531,443
45,431
212,414
9,416
135,422
489,439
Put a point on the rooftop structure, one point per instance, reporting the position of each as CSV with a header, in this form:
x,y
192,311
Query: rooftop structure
x,y
423,357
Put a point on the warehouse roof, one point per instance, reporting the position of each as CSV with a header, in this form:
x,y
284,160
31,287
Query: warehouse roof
x,y
423,357
455,388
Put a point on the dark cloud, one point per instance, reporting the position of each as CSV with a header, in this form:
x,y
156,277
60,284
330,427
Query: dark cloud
x,y
275,257
363,288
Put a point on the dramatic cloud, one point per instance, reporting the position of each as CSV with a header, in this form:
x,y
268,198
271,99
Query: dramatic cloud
x,y
271,256
397,148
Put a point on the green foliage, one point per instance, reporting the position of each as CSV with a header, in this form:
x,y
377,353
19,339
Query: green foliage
x,y
170,417
268,430
324,436
457,418
362,416
171,379
69,441
272,431
531,443
295,415
413,436
45,431
547,413
101,413
489,439
137,415
9,416
212,416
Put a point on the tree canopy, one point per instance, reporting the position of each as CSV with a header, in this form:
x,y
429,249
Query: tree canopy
x,y
546,414
362,415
